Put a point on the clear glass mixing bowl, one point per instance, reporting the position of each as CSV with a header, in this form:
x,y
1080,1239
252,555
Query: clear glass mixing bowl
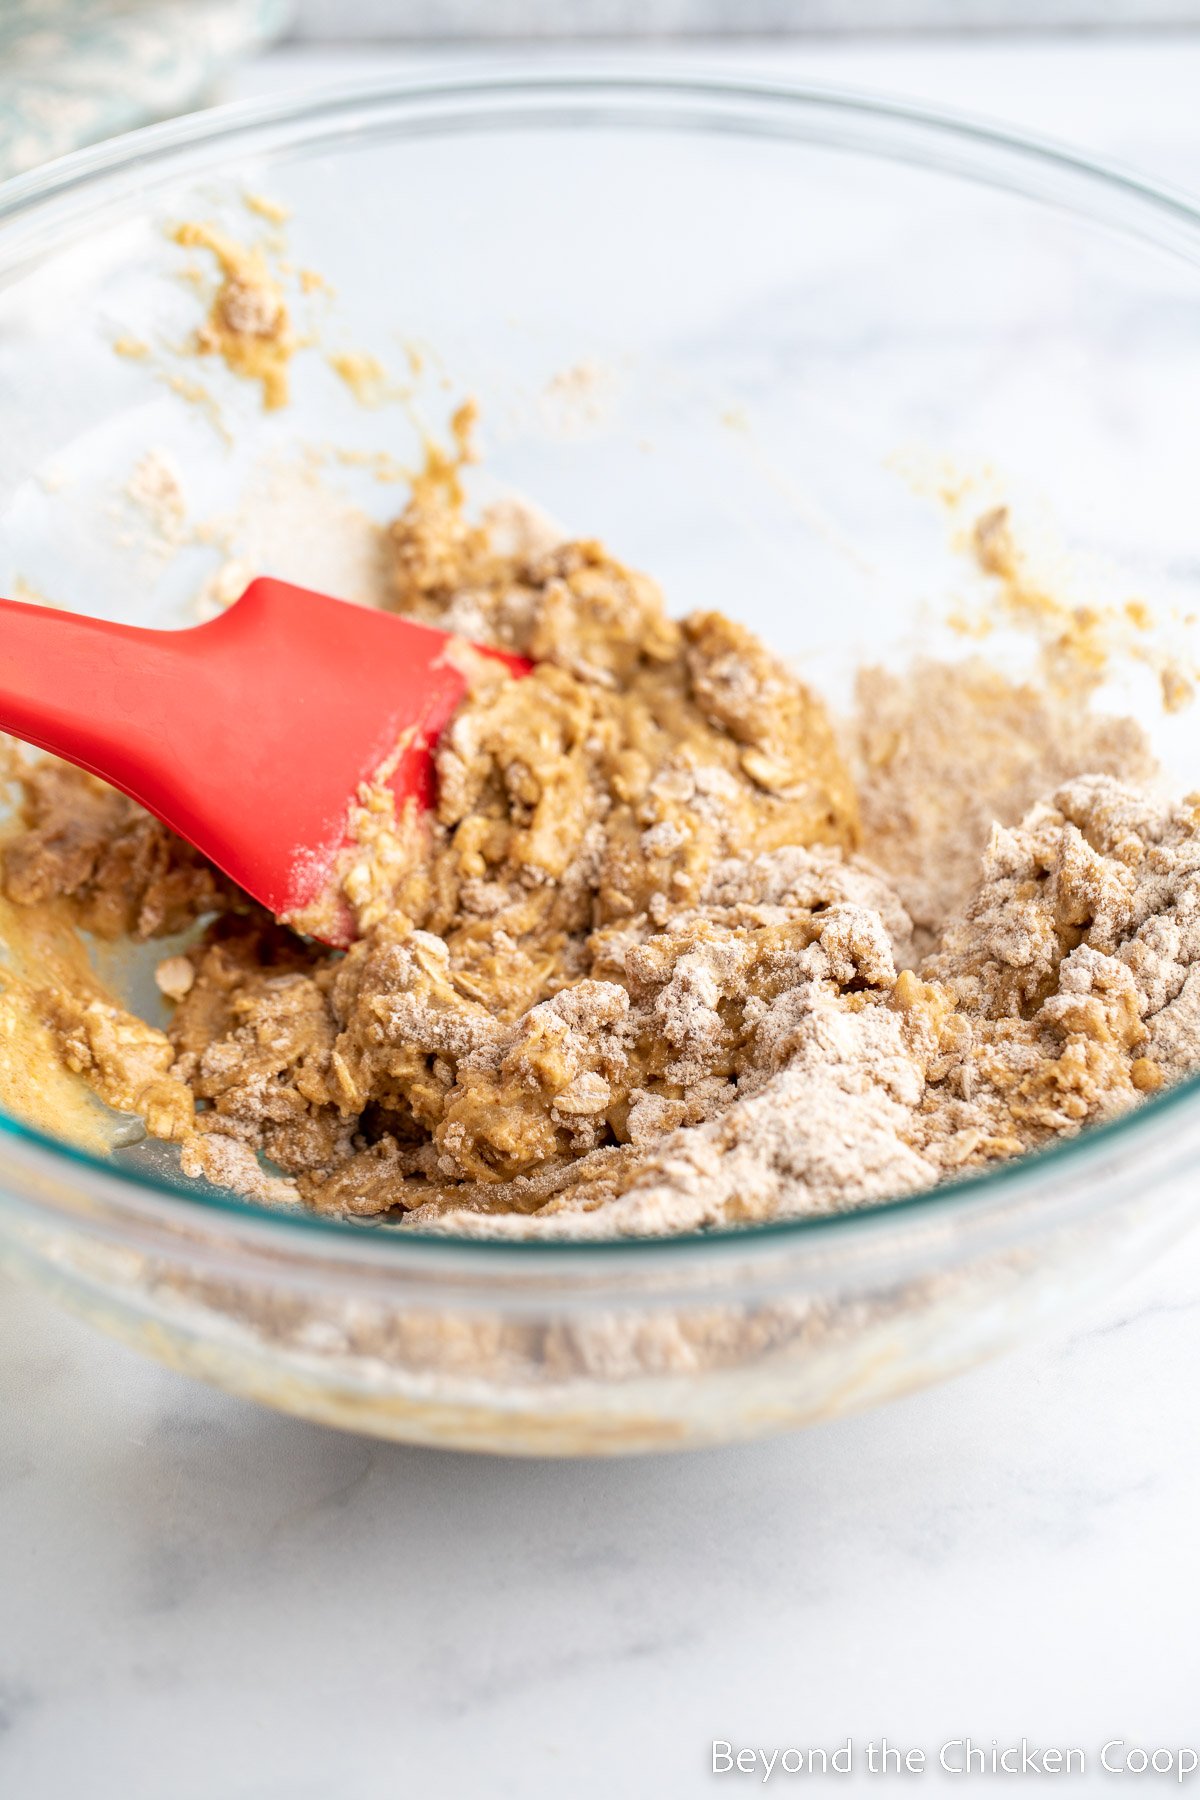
x,y
713,323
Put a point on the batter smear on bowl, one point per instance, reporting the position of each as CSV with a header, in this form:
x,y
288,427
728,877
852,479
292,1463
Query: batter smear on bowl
x,y
668,954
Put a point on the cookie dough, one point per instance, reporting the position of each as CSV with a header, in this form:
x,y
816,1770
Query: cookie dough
x,y
634,974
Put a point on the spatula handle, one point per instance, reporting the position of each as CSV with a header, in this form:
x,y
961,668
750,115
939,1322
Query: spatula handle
x,y
90,690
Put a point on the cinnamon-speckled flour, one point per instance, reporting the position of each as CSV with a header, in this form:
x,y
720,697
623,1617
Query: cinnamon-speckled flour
x,y
667,955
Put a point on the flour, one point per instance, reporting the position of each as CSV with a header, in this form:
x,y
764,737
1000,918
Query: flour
x,y
1067,986
944,749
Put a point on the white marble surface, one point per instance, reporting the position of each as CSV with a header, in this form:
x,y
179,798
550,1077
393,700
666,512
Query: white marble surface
x,y
202,1601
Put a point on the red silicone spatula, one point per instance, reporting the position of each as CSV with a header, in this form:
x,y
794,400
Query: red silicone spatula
x,y
248,735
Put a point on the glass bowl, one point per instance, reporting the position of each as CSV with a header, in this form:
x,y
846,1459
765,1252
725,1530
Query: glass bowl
x,y
737,330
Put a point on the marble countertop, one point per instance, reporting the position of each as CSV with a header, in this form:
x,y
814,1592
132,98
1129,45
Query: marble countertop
x,y
202,1601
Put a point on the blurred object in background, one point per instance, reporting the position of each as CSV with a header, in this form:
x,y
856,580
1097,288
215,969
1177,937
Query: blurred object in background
x,y
73,71
329,20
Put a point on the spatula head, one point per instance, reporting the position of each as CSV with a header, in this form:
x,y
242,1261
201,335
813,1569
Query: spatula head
x,y
296,700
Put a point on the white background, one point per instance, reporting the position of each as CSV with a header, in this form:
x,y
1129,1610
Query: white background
x,y
203,1601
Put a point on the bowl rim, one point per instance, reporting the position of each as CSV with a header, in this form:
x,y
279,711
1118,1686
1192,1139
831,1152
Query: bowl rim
x,y
614,95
